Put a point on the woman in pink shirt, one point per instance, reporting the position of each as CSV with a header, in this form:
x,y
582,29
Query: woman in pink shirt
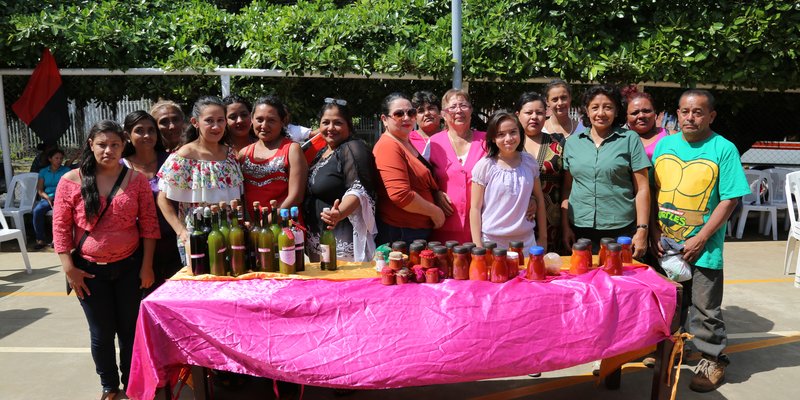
x,y
453,154
641,118
109,269
429,120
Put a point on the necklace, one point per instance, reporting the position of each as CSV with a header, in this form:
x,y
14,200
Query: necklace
x,y
567,132
467,139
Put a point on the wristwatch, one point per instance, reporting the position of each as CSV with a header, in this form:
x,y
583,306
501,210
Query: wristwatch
x,y
642,226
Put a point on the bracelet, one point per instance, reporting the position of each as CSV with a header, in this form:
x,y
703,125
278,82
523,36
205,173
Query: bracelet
x,y
642,226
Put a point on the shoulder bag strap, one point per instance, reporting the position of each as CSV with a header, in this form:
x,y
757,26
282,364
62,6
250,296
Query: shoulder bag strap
x,y
110,197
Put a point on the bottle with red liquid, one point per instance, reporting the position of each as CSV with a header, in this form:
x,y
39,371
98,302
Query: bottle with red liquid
x,y
477,267
626,252
512,259
460,263
442,260
400,246
489,246
426,259
433,244
517,247
499,271
613,265
469,246
536,270
601,255
450,244
581,259
413,253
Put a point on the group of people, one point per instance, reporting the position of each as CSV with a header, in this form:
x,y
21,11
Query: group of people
x,y
537,175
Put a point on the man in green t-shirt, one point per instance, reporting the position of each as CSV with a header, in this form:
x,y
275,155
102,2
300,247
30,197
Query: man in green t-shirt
x,y
698,179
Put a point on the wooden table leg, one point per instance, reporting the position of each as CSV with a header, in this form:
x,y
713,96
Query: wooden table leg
x,y
163,393
661,388
202,389
614,379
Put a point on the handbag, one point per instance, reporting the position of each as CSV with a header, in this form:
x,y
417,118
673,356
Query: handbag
x,y
77,260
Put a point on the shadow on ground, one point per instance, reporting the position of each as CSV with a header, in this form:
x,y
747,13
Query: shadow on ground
x,y
14,320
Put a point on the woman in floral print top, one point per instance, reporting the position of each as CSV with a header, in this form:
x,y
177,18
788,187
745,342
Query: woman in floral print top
x,y
200,172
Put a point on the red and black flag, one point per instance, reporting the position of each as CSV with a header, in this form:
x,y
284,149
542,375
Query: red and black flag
x,y
43,105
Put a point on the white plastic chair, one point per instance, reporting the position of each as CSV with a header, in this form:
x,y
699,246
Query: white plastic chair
x,y
755,202
9,234
20,200
777,194
792,197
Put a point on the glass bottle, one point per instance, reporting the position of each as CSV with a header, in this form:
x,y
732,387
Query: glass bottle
x,y
469,246
450,244
299,240
198,243
327,249
275,227
225,230
581,259
400,246
216,244
433,244
286,245
536,269
237,247
499,271
442,261
413,253
477,267
601,255
253,260
517,247
625,253
460,263
489,246
512,258
613,265
266,241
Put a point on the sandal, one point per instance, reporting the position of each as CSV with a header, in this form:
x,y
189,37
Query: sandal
x,y
109,394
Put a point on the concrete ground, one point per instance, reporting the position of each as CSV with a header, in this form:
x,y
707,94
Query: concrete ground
x,y
44,342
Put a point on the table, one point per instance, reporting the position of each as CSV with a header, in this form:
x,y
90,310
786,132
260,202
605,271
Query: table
x,y
360,334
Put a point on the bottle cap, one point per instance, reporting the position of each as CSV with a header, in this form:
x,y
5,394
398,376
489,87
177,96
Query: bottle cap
x,y
451,243
478,251
294,211
624,240
420,241
614,247
538,250
433,244
399,245
469,245
440,250
607,240
580,246
516,244
284,213
417,246
489,245
512,255
460,250
585,240
498,252
206,212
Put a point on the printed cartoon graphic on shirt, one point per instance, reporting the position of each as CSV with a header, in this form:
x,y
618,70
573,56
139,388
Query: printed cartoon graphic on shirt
x,y
684,191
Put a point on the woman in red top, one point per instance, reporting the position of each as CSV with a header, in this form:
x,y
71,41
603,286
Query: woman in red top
x,y
111,269
274,167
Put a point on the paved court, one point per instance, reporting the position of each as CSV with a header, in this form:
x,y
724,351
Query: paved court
x,y
44,342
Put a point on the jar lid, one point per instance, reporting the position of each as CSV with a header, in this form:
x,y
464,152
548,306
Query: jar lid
x,y
461,250
417,246
478,251
516,244
614,247
538,250
585,240
489,245
469,245
512,255
607,240
624,240
433,244
399,245
499,252
426,254
451,243
440,250
395,255
580,246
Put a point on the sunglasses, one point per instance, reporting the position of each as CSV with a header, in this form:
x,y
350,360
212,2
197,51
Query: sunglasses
x,y
330,100
398,114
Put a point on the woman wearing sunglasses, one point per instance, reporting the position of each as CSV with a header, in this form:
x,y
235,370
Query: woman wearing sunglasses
x,y
453,154
405,200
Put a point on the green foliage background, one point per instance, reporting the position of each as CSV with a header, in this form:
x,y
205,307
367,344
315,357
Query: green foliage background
x,y
754,43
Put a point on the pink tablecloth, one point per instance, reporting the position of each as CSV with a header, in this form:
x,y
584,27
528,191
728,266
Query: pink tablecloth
x,y
360,334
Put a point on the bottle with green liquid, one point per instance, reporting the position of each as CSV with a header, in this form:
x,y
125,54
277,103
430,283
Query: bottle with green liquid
x,y
225,230
286,245
238,246
266,241
216,243
255,228
327,249
275,227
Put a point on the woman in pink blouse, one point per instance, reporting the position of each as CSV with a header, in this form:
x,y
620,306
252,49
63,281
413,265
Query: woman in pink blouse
x,y
110,269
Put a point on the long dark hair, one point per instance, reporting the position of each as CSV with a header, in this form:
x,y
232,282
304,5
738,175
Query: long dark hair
x,y
233,99
130,121
276,103
389,99
88,166
491,132
191,133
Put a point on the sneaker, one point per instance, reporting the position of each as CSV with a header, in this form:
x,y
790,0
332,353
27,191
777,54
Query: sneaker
x,y
710,374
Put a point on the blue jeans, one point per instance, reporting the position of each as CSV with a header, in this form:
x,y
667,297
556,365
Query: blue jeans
x,y
389,233
39,213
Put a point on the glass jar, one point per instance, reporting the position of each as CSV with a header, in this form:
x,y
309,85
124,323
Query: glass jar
x,y
517,247
477,267
426,259
400,246
613,265
512,259
489,246
460,263
536,270
433,244
442,261
499,271
432,275
601,255
413,253
469,246
581,259
396,261
626,253
450,244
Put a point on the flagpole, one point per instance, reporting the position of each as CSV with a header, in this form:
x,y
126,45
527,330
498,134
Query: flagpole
x,y
4,137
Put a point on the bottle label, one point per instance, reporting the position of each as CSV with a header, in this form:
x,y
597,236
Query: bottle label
x,y
325,253
196,256
222,250
298,238
235,247
287,255
264,250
